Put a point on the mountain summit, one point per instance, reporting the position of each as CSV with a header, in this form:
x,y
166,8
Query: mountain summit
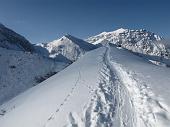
x,y
140,41
69,46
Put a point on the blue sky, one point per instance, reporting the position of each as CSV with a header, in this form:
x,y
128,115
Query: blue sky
x,y
46,20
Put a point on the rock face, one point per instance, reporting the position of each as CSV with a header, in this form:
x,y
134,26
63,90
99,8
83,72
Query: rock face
x,y
70,47
11,40
140,41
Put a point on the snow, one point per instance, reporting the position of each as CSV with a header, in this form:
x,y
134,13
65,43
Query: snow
x,y
109,86
11,40
142,81
119,31
60,93
69,46
140,41
21,70
123,83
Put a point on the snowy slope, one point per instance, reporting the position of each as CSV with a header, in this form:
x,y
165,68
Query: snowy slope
x,y
20,67
21,70
107,87
70,47
11,40
141,41
147,85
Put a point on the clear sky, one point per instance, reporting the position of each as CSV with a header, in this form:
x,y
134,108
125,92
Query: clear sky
x,y
46,20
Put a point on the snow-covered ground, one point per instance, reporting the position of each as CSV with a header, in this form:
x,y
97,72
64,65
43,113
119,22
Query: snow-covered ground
x,y
147,85
21,70
107,87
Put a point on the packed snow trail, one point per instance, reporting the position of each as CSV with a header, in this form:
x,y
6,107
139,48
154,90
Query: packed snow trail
x,y
122,100
149,112
109,105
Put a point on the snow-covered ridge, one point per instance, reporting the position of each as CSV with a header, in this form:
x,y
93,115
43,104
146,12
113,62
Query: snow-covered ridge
x,y
107,87
70,47
12,40
141,41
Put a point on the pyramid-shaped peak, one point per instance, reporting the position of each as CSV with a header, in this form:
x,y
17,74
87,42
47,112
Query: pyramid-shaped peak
x,y
70,37
121,30
67,36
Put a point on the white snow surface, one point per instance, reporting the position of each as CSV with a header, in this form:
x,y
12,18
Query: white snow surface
x,y
21,70
107,87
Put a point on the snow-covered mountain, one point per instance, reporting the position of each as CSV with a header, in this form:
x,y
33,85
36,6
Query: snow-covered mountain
x,y
70,47
107,87
140,41
11,40
110,86
21,70
20,67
